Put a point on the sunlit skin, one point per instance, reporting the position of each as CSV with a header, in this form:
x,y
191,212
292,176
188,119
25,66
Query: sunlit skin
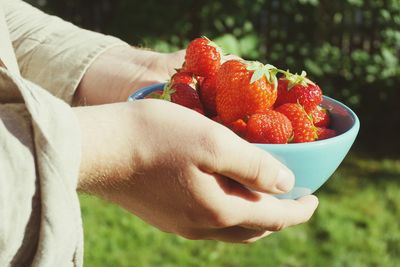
x,y
171,166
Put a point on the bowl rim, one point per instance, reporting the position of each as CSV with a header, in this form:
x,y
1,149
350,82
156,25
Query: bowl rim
x,y
352,131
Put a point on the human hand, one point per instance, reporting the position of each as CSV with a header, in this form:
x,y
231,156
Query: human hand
x,y
121,70
185,174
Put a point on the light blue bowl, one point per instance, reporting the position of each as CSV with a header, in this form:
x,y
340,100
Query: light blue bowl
x,y
312,163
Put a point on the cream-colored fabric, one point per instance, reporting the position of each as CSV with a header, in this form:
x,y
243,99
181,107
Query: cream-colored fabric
x,y
49,49
7,55
40,223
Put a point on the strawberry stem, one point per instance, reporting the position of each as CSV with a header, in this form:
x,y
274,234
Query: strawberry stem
x,y
213,44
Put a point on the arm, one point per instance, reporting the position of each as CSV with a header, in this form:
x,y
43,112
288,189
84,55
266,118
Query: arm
x,y
40,145
142,157
53,53
59,56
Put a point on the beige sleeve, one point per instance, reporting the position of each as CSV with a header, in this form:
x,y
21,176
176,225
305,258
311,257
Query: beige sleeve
x,y
51,52
40,222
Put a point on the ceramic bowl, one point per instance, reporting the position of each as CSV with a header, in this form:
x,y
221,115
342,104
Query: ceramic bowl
x,y
314,162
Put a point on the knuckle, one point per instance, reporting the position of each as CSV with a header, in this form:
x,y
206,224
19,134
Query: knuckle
x,y
212,142
256,172
191,234
248,241
218,218
278,226
265,171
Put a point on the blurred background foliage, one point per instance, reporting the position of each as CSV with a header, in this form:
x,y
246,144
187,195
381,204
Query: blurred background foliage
x,y
349,47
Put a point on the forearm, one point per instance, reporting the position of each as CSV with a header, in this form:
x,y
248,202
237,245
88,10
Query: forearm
x,y
51,52
110,77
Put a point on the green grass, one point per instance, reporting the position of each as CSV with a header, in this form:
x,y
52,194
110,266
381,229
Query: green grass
x,y
357,225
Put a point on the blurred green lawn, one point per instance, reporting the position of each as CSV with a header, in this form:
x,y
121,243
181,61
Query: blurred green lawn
x,y
357,224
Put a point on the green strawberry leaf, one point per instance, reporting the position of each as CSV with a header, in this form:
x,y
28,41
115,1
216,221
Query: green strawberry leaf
x,y
295,79
253,65
291,138
260,70
213,44
257,75
275,82
154,95
167,92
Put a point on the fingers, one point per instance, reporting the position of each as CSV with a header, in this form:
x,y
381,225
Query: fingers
x,y
234,234
274,215
260,219
228,206
251,166
237,234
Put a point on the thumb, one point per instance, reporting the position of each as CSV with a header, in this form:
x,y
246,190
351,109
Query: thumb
x,y
252,166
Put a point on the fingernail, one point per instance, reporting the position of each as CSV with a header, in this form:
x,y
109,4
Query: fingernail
x,y
285,180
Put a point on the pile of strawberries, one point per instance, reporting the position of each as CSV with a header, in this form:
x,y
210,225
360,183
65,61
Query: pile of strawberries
x,y
260,103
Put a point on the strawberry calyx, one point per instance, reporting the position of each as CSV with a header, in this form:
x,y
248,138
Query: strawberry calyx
x,y
261,70
213,44
296,79
310,118
291,138
166,94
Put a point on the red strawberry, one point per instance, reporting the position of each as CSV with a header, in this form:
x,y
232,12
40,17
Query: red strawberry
x,y
325,133
208,92
200,79
239,127
184,77
295,88
244,89
303,128
320,117
271,127
203,57
184,95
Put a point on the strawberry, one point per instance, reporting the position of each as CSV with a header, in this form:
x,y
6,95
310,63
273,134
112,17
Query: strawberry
x,y
244,88
203,57
320,117
200,80
325,133
303,128
295,88
184,77
184,95
270,127
239,127
208,92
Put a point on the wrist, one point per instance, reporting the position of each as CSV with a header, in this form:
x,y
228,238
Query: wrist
x,y
141,68
108,132
119,72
